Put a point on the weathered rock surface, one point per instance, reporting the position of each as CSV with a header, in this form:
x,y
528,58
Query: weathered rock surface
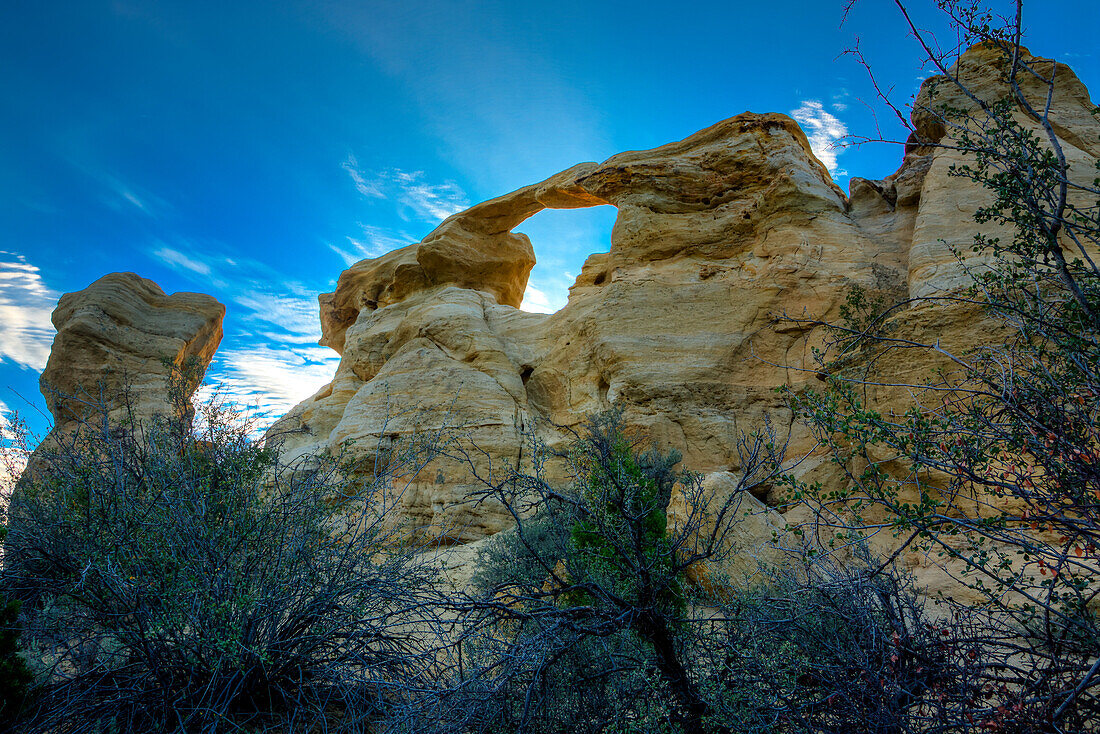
x,y
118,337
716,235
947,203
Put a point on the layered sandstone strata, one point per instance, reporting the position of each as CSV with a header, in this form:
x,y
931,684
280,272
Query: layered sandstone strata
x,y
117,342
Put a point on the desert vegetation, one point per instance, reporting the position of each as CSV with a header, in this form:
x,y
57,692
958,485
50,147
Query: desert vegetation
x,y
186,580
172,580
990,466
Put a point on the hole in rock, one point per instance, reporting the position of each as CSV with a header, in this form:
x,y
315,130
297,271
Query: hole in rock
x,y
525,373
602,389
563,239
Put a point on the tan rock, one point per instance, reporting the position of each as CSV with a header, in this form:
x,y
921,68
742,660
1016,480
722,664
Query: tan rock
x,y
473,249
750,542
716,236
115,337
946,217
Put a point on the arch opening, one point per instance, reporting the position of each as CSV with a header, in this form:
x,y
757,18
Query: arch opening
x,y
563,239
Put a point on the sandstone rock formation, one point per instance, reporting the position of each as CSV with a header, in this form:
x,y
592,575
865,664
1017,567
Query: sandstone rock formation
x,y
716,235
948,203
658,326
676,324
118,337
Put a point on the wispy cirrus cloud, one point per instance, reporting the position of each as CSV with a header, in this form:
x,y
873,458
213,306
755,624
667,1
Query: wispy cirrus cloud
x,y
426,200
824,130
413,196
373,242
289,316
411,191
270,362
269,304
26,302
177,259
367,188
267,381
114,190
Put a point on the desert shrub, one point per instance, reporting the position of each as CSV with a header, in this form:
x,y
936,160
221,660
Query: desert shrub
x,y
182,582
816,646
810,646
582,617
15,676
992,469
574,616
540,673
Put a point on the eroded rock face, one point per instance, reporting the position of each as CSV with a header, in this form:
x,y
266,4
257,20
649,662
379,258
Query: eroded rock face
x,y
716,236
114,338
948,203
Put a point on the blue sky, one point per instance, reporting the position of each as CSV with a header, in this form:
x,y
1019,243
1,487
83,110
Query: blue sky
x,y
252,150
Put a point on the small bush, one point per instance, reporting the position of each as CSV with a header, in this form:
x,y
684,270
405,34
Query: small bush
x,y
15,676
176,582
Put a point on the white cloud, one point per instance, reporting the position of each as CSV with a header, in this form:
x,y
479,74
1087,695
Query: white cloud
x,y
26,332
373,242
410,191
430,202
537,301
287,312
176,259
823,129
120,194
286,316
267,381
270,362
131,197
369,189
547,291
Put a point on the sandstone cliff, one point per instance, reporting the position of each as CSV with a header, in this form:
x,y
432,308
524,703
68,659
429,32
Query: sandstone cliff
x,y
716,236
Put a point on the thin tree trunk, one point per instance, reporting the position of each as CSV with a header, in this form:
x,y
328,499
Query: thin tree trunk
x,y
692,705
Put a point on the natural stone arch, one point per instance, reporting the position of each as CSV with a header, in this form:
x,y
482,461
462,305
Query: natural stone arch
x,y
475,249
